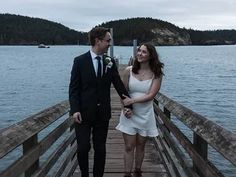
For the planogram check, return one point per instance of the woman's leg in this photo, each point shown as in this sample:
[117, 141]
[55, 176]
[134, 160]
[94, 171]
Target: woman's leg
[139, 153]
[130, 141]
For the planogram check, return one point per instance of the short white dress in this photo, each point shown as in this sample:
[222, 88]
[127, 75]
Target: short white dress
[143, 120]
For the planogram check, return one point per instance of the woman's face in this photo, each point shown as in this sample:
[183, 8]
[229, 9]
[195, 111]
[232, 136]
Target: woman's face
[143, 54]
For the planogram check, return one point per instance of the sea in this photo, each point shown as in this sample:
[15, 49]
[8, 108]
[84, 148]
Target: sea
[202, 78]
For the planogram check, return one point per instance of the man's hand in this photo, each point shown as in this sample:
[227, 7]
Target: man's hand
[127, 112]
[77, 117]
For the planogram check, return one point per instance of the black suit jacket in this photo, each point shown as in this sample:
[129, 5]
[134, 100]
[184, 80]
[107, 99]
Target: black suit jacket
[86, 91]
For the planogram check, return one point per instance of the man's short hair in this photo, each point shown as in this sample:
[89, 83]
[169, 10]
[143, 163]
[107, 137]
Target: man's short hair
[97, 32]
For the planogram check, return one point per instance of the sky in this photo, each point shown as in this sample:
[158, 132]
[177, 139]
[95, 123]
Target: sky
[82, 15]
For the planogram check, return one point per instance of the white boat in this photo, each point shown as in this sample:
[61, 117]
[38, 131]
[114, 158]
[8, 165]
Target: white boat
[43, 46]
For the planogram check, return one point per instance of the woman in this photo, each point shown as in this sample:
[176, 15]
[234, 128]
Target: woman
[143, 80]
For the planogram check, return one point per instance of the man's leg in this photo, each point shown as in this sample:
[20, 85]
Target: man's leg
[83, 140]
[99, 142]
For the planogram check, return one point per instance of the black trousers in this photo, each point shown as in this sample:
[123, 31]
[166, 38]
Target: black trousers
[99, 131]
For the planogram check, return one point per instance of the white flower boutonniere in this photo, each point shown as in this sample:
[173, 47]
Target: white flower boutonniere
[108, 63]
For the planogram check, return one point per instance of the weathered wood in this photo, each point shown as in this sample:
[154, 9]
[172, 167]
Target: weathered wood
[165, 154]
[201, 146]
[67, 160]
[27, 146]
[135, 43]
[111, 48]
[224, 141]
[183, 140]
[18, 133]
[177, 153]
[152, 164]
[71, 168]
[52, 159]
[23, 163]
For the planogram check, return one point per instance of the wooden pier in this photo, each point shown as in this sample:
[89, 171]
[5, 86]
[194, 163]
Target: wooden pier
[44, 144]
[153, 165]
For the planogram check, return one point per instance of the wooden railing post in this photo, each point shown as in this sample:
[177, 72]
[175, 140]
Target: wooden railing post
[27, 146]
[112, 44]
[168, 114]
[72, 127]
[201, 146]
[135, 43]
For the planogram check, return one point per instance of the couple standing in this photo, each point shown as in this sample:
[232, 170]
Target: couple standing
[89, 95]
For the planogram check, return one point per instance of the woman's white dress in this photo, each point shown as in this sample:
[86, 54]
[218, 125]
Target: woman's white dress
[143, 120]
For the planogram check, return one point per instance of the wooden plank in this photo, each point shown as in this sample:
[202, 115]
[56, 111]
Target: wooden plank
[67, 160]
[118, 174]
[23, 163]
[173, 152]
[27, 146]
[201, 163]
[71, 167]
[18, 133]
[52, 159]
[223, 140]
[152, 165]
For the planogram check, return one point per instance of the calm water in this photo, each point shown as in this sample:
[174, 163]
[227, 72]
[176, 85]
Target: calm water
[202, 78]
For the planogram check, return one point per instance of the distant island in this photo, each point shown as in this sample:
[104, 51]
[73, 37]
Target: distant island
[22, 30]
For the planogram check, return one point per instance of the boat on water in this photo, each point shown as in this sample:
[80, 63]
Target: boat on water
[43, 46]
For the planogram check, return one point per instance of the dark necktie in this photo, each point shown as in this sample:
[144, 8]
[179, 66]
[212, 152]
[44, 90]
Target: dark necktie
[99, 71]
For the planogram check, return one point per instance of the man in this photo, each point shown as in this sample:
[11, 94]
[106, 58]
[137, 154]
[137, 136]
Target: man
[89, 95]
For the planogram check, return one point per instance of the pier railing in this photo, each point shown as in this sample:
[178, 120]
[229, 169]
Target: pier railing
[25, 136]
[178, 148]
[46, 142]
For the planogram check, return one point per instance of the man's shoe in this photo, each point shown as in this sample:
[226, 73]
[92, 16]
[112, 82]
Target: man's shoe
[137, 173]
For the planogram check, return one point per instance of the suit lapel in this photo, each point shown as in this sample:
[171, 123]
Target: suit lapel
[89, 65]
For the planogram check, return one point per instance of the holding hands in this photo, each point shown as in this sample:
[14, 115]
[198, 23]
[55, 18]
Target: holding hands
[127, 101]
[127, 112]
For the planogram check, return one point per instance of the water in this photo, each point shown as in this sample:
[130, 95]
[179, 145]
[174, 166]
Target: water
[202, 78]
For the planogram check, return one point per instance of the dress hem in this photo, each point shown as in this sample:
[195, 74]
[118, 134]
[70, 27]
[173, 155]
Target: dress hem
[134, 131]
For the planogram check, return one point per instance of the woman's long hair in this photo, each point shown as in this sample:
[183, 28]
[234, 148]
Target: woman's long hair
[155, 64]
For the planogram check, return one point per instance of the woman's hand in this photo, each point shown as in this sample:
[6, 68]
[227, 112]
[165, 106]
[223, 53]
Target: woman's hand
[127, 101]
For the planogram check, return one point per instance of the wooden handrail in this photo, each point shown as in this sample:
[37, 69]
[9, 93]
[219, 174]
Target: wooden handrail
[18, 133]
[26, 132]
[223, 140]
[205, 132]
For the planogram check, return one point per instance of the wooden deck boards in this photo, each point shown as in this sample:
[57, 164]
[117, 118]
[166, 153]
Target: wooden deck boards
[152, 166]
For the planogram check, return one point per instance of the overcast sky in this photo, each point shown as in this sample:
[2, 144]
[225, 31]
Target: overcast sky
[82, 15]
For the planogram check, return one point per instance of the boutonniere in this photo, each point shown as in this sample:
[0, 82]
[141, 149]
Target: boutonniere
[108, 63]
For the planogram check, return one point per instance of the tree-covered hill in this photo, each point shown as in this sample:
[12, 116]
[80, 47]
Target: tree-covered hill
[164, 33]
[16, 29]
[22, 30]
[147, 30]
[217, 37]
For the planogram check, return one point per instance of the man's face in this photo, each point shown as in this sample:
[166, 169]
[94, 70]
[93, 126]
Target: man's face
[104, 44]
